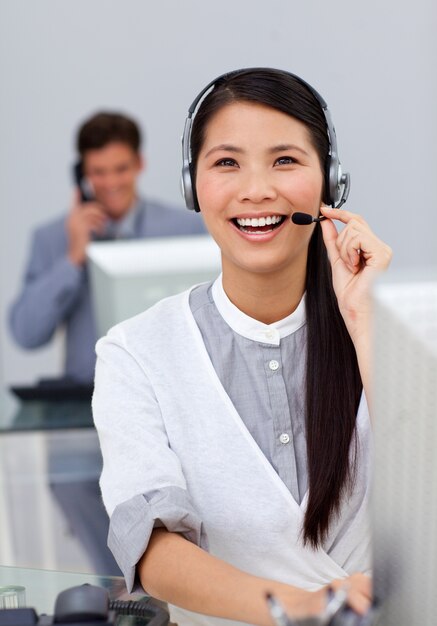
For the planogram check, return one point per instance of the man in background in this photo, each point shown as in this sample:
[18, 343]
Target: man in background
[56, 289]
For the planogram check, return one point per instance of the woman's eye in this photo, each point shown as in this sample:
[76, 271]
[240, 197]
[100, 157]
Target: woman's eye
[286, 160]
[227, 163]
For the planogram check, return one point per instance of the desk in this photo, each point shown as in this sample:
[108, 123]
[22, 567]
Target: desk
[40, 415]
[51, 515]
[42, 588]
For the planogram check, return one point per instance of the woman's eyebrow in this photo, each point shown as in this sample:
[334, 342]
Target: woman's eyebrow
[287, 146]
[224, 147]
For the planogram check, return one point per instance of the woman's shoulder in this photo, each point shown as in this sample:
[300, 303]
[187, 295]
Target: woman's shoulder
[165, 315]
[155, 335]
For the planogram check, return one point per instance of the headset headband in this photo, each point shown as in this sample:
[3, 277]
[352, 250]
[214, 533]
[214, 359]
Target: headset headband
[337, 183]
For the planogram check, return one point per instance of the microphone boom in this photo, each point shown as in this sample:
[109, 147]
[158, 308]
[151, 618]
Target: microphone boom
[304, 219]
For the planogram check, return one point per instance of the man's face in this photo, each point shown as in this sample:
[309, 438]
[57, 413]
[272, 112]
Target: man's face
[112, 172]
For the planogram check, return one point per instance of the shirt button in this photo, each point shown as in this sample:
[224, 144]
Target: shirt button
[269, 334]
[273, 365]
[284, 438]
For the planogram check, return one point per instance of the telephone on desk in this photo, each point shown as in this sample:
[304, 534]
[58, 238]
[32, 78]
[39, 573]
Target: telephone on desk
[88, 605]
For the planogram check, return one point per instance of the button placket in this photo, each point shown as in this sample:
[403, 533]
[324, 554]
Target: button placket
[283, 455]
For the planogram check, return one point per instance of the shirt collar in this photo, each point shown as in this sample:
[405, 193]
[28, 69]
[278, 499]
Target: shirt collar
[253, 329]
[124, 228]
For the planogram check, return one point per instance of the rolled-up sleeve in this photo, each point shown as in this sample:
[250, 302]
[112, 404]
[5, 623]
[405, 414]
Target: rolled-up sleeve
[142, 483]
[133, 521]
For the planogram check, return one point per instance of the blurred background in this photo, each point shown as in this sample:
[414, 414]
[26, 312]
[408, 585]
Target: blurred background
[373, 62]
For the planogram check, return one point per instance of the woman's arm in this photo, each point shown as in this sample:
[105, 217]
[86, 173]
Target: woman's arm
[357, 257]
[177, 571]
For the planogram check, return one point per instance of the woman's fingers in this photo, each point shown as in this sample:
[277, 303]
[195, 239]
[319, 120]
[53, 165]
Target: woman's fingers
[356, 244]
[359, 591]
[330, 236]
[341, 215]
[350, 247]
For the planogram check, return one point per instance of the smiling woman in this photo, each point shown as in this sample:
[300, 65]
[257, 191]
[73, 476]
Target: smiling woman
[236, 444]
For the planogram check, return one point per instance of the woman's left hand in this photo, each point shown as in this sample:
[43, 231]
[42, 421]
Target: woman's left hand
[357, 256]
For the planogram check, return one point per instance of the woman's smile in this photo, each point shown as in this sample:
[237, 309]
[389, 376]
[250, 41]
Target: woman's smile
[258, 225]
[260, 228]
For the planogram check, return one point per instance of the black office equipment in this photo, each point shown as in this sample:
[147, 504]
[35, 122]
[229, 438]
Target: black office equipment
[89, 605]
[54, 389]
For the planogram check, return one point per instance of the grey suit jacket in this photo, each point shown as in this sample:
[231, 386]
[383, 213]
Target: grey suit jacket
[56, 292]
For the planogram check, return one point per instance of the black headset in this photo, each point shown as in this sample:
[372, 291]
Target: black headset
[337, 183]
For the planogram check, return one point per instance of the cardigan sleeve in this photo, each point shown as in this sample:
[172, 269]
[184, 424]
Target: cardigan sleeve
[142, 482]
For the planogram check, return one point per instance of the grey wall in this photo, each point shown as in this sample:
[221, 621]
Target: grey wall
[374, 63]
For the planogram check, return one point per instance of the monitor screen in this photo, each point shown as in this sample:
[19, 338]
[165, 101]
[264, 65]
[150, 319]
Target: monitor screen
[404, 493]
[128, 277]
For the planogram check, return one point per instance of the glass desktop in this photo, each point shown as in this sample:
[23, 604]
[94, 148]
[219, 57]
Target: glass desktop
[39, 589]
[51, 512]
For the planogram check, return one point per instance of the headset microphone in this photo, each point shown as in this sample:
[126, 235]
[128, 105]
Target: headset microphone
[303, 219]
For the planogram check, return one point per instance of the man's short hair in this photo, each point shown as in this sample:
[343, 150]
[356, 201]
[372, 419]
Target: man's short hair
[104, 128]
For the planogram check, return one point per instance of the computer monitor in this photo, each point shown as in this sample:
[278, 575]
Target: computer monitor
[128, 277]
[404, 493]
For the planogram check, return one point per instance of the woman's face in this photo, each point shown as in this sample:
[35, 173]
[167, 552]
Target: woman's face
[257, 167]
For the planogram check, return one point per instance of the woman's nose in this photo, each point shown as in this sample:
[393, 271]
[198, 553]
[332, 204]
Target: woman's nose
[256, 186]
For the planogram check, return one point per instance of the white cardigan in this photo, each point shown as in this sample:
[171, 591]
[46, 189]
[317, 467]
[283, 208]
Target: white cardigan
[164, 420]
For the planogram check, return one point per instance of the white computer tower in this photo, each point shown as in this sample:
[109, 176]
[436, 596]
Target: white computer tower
[404, 494]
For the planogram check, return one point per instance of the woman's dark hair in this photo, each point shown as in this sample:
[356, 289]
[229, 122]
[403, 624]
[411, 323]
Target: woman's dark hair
[333, 382]
[104, 128]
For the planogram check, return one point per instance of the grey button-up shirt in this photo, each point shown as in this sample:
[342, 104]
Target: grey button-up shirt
[262, 369]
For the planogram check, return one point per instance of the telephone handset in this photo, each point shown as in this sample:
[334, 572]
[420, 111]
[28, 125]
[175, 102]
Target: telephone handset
[86, 191]
[89, 605]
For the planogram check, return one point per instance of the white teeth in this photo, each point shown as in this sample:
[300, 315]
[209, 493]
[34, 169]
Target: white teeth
[259, 221]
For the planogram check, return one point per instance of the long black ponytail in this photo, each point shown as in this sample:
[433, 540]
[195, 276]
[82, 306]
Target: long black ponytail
[333, 383]
[333, 391]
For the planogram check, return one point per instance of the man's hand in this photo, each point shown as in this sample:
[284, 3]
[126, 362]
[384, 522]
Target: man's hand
[84, 219]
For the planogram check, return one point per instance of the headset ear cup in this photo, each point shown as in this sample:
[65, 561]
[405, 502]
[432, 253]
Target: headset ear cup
[183, 188]
[186, 188]
[334, 181]
[327, 197]
[195, 206]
